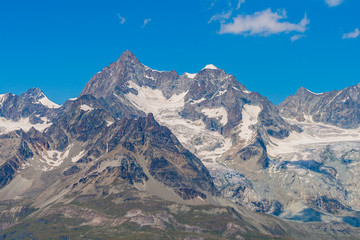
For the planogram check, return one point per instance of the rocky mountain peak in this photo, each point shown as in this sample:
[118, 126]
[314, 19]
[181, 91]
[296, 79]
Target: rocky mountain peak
[128, 57]
[33, 93]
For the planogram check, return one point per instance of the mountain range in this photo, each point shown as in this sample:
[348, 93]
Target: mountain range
[147, 154]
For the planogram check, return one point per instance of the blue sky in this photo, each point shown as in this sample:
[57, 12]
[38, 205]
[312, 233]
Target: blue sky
[271, 46]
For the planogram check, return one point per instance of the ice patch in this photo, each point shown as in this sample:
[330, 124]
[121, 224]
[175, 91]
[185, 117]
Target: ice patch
[78, 157]
[217, 113]
[250, 115]
[54, 158]
[197, 101]
[86, 108]
[246, 91]
[149, 77]
[7, 125]
[219, 93]
[190, 75]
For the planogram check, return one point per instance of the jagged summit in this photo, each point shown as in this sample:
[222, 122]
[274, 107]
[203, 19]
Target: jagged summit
[36, 95]
[339, 108]
[128, 56]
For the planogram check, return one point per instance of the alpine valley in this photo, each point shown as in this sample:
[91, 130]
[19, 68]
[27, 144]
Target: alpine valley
[147, 154]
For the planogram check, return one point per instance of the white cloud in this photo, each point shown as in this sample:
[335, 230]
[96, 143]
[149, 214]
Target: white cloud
[122, 19]
[297, 37]
[221, 16]
[333, 3]
[146, 21]
[353, 34]
[263, 23]
[239, 4]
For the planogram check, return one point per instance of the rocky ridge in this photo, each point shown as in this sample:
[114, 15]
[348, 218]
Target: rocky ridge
[338, 108]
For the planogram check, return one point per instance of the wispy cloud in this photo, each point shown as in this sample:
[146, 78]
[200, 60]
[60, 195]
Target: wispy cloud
[263, 23]
[221, 16]
[239, 4]
[333, 3]
[146, 21]
[213, 3]
[297, 37]
[354, 34]
[121, 19]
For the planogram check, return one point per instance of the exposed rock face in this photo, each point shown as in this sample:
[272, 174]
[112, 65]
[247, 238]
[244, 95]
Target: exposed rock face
[145, 149]
[15, 152]
[339, 108]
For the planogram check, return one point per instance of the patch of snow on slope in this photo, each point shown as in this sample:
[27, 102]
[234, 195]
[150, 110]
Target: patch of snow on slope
[7, 125]
[250, 115]
[46, 102]
[86, 107]
[78, 156]
[149, 77]
[217, 113]
[190, 75]
[54, 158]
[219, 93]
[207, 145]
[197, 101]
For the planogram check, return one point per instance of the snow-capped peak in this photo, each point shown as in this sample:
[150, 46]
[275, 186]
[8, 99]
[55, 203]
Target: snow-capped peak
[210, 66]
